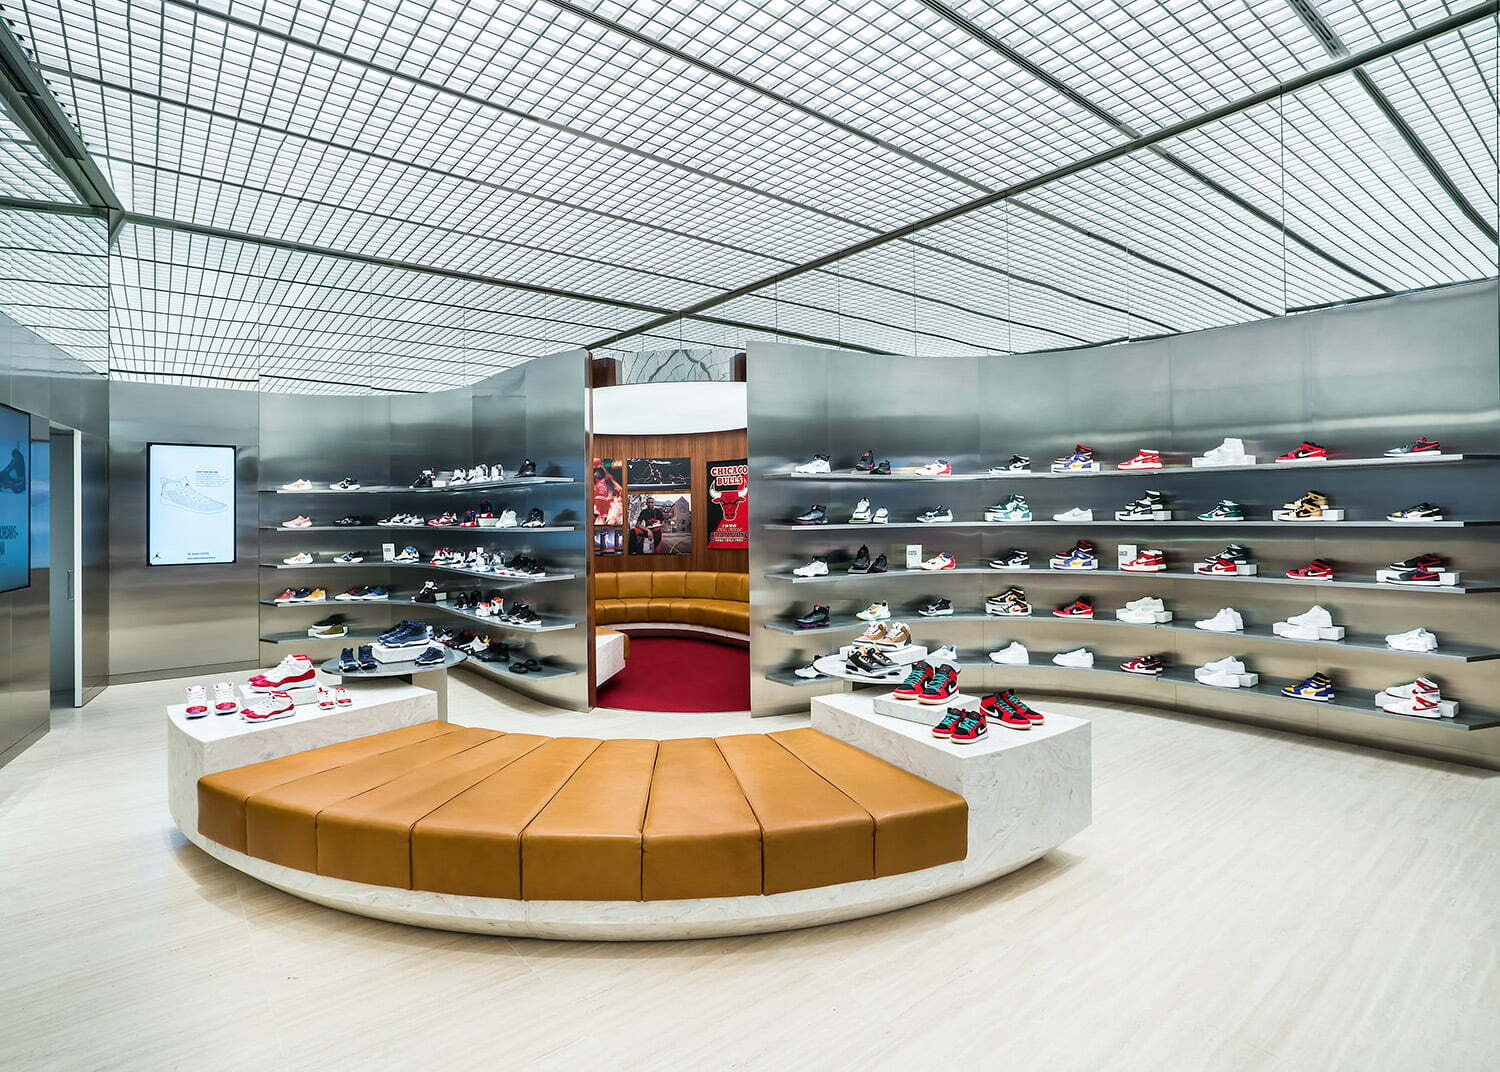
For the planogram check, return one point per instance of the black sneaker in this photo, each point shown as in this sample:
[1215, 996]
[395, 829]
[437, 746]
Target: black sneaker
[938, 608]
[866, 462]
[446, 635]
[879, 565]
[528, 468]
[816, 618]
[883, 469]
[366, 658]
[1014, 559]
[423, 481]
[535, 519]
[433, 656]
[861, 563]
[347, 484]
[428, 593]
[1423, 511]
[330, 628]
[521, 614]
[348, 664]
[816, 516]
[352, 521]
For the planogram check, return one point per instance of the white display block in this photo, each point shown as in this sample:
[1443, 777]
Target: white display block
[928, 715]
[1209, 463]
[384, 654]
[1302, 632]
[609, 655]
[305, 695]
[200, 746]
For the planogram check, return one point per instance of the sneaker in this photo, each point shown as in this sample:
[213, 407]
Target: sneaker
[943, 561]
[293, 595]
[1018, 463]
[346, 484]
[1227, 620]
[297, 485]
[879, 565]
[937, 515]
[1081, 557]
[1428, 561]
[815, 516]
[1229, 452]
[808, 672]
[940, 686]
[535, 519]
[376, 594]
[348, 663]
[866, 462]
[1233, 560]
[1145, 665]
[875, 612]
[1008, 604]
[994, 709]
[880, 517]
[1079, 608]
[1423, 511]
[1007, 699]
[424, 480]
[860, 515]
[1305, 452]
[325, 699]
[1318, 569]
[1149, 560]
[1077, 659]
[520, 614]
[349, 558]
[916, 677]
[197, 701]
[428, 593]
[938, 608]
[269, 708]
[293, 672]
[883, 469]
[1078, 513]
[897, 635]
[409, 553]
[350, 594]
[1418, 639]
[1315, 623]
[1080, 461]
[1218, 566]
[971, 727]
[1225, 673]
[330, 628]
[406, 634]
[1015, 508]
[1418, 706]
[1148, 610]
[874, 633]
[508, 520]
[1227, 510]
[817, 466]
[301, 558]
[818, 567]
[1318, 687]
[1422, 686]
[433, 656]
[816, 618]
[1311, 507]
[1144, 459]
[939, 467]
[860, 563]
[225, 701]
[944, 728]
[1416, 578]
[527, 469]
[301, 521]
[1013, 654]
[1014, 559]
[1420, 445]
[1149, 507]
[352, 521]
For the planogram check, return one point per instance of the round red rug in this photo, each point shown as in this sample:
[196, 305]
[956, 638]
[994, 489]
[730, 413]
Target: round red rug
[680, 674]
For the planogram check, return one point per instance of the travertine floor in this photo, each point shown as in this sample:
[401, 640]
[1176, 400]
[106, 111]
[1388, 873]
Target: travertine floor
[1244, 900]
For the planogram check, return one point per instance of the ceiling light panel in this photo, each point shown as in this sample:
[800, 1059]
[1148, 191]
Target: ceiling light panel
[898, 72]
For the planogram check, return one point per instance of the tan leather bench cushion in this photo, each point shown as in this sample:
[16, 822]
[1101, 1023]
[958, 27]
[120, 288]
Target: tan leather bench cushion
[719, 600]
[221, 796]
[633, 585]
[701, 838]
[367, 838]
[585, 845]
[281, 823]
[604, 585]
[472, 844]
[811, 834]
[917, 824]
[666, 584]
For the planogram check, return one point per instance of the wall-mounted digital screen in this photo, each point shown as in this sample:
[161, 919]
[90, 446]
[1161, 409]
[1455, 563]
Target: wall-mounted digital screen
[189, 504]
[15, 499]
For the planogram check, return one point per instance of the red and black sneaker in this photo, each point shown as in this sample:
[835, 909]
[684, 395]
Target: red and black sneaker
[1305, 452]
[1428, 561]
[997, 706]
[941, 685]
[951, 719]
[1420, 445]
[866, 462]
[1147, 665]
[1318, 569]
[1425, 577]
[916, 677]
[1019, 705]
[1079, 608]
[970, 728]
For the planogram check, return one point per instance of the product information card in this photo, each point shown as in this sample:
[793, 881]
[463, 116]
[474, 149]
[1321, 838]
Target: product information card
[190, 504]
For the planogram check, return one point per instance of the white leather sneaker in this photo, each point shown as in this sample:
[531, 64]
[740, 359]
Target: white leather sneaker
[880, 517]
[1078, 513]
[818, 464]
[1013, 654]
[1078, 659]
[860, 515]
[1229, 452]
[1148, 610]
[875, 612]
[1227, 620]
[1225, 673]
[818, 567]
[1418, 639]
[1312, 624]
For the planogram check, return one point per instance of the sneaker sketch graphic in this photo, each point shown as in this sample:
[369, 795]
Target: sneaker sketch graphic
[13, 476]
[181, 494]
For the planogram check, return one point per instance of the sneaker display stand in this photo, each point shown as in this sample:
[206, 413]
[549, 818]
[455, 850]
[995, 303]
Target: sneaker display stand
[535, 411]
[434, 677]
[1132, 396]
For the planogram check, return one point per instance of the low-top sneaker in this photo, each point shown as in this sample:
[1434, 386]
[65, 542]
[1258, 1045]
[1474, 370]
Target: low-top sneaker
[269, 708]
[1226, 673]
[301, 558]
[972, 726]
[883, 469]
[1013, 654]
[301, 521]
[814, 516]
[1077, 659]
[1149, 560]
[1008, 700]
[527, 469]
[1078, 513]
[818, 567]
[943, 561]
[1423, 511]
[1427, 561]
[875, 612]
[409, 553]
[1079, 608]
[1226, 510]
[1014, 559]
[433, 656]
[816, 466]
[1317, 687]
[936, 515]
[1318, 569]
[1420, 445]
[1418, 639]
[1305, 452]
[1145, 665]
[1144, 459]
[881, 516]
[1417, 578]
[297, 485]
[349, 483]
[1227, 620]
[880, 565]
[349, 558]
[424, 480]
[860, 515]
[938, 608]
[1148, 610]
[945, 725]
[937, 467]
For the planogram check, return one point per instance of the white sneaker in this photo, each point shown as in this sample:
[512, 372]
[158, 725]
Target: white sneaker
[1148, 610]
[508, 520]
[860, 515]
[946, 654]
[1227, 620]
[809, 671]
[1229, 452]
[819, 464]
[301, 558]
[1225, 673]
[1418, 639]
[816, 568]
[1423, 686]
[1078, 659]
[298, 485]
[875, 612]
[1078, 513]
[225, 700]
[1313, 624]
[197, 701]
[881, 516]
[1013, 654]
[1419, 706]
[940, 467]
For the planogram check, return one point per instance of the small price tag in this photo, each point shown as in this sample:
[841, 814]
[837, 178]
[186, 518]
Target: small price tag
[388, 552]
[1124, 553]
[913, 556]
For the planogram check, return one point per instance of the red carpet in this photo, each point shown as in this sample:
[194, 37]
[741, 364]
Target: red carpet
[680, 674]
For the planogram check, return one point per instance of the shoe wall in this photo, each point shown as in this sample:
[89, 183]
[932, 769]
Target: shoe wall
[1359, 378]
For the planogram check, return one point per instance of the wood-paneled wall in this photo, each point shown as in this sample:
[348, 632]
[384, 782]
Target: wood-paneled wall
[702, 448]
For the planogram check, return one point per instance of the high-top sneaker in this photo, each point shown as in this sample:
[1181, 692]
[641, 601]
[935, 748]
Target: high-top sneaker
[528, 468]
[1014, 508]
[1018, 463]
[1081, 556]
[1317, 687]
[1014, 559]
[1305, 452]
[1080, 461]
[1149, 507]
[1144, 459]
[916, 678]
[1079, 608]
[866, 462]
[941, 685]
[1149, 560]
[1319, 569]
[535, 519]
[879, 565]
[1310, 507]
[973, 726]
[1226, 510]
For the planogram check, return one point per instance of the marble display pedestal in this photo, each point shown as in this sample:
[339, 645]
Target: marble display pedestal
[207, 745]
[609, 655]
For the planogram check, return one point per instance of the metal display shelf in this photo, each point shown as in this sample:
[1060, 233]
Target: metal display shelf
[399, 668]
[1332, 463]
[784, 676]
[393, 489]
[502, 671]
[419, 528]
[549, 624]
[498, 578]
[1195, 523]
[302, 637]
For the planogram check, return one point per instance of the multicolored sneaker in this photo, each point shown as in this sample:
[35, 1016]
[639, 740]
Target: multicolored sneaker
[1317, 687]
[1305, 452]
[1079, 608]
[1319, 569]
[949, 721]
[1420, 445]
[916, 678]
[1080, 461]
[970, 728]
[1080, 556]
[941, 685]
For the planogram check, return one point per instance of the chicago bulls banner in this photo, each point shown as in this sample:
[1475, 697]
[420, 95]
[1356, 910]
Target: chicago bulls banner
[729, 504]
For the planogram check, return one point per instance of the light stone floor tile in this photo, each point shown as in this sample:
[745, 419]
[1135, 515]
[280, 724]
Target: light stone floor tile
[1246, 900]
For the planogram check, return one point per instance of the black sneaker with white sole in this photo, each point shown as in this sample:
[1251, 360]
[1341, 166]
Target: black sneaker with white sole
[522, 614]
[433, 656]
[347, 484]
[1014, 559]
[815, 516]
[1423, 511]
[528, 468]
[936, 515]
[938, 608]
[330, 628]
[535, 519]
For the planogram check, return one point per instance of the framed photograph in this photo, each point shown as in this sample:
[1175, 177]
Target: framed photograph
[190, 504]
[609, 491]
[729, 504]
[15, 499]
[666, 474]
[609, 541]
[661, 524]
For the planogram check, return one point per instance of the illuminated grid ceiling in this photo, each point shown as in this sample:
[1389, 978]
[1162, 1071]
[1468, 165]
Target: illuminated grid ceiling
[624, 160]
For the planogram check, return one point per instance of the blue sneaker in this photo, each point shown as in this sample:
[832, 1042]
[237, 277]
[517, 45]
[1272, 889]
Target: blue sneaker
[1080, 461]
[1318, 687]
[366, 658]
[1080, 557]
[348, 664]
[378, 592]
[433, 656]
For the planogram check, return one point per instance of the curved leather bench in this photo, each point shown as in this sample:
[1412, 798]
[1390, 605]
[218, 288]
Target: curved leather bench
[482, 813]
[692, 597]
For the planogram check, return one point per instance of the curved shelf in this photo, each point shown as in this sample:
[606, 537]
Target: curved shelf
[418, 528]
[1312, 525]
[394, 489]
[1166, 470]
[498, 578]
[502, 671]
[549, 623]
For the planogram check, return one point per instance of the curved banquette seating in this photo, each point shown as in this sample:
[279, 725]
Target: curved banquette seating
[692, 597]
[477, 812]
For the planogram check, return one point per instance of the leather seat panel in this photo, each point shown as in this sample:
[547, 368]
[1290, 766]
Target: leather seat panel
[666, 584]
[812, 834]
[367, 838]
[917, 824]
[633, 585]
[222, 796]
[701, 838]
[585, 845]
[472, 844]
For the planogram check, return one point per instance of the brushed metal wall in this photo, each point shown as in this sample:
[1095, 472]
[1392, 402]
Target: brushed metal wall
[1360, 377]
